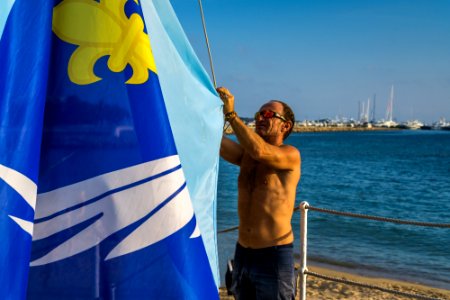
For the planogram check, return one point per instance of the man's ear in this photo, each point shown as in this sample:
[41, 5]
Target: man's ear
[288, 125]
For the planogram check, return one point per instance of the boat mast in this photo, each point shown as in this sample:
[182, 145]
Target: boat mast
[391, 106]
[359, 111]
[373, 108]
[367, 111]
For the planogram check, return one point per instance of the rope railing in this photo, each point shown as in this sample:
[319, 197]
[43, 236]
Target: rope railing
[228, 229]
[375, 218]
[304, 206]
[361, 216]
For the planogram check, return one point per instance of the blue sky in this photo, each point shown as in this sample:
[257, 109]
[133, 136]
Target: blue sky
[323, 57]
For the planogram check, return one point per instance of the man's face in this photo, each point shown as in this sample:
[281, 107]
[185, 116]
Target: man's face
[266, 127]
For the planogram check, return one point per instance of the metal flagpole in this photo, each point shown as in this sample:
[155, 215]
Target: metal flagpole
[303, 248]
[207, 43]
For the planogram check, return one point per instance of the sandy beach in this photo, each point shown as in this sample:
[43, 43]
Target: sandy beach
[329, 290]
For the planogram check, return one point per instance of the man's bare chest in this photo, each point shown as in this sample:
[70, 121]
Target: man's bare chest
[254, 174]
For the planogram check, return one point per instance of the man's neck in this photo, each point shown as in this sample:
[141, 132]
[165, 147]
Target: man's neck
[274, 140]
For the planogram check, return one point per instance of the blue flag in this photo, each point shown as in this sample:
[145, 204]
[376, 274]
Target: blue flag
[114, 218]
[24, 54]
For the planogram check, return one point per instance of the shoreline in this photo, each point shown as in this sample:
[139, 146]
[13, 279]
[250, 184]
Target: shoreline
[317, 288]
[298, 129]
[337, 129]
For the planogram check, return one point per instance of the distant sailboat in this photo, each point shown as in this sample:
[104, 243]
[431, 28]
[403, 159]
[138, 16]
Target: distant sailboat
[388, 122]
[364, 112]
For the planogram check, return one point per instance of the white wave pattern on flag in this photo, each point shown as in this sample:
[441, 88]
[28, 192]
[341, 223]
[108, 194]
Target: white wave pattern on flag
[121, 198]
[25, 187]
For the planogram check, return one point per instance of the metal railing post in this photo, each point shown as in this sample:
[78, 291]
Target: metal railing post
[303, 247]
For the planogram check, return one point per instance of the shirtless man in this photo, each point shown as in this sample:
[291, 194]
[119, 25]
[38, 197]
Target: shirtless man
[269, 174]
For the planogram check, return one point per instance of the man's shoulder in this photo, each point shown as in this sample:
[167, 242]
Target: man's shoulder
[290, 149]
[289, 146]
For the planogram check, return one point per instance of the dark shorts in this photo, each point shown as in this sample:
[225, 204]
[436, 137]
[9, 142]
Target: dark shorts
[266, 273]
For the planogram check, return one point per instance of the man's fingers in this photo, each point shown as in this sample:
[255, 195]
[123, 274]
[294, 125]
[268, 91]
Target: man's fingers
[220, 90]
[223, 92]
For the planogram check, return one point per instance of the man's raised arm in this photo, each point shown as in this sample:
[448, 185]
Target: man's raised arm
[274, 154]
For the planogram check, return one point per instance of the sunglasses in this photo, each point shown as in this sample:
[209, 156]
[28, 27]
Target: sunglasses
[268, 114]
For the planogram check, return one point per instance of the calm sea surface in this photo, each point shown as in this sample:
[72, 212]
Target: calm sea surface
[396, 174]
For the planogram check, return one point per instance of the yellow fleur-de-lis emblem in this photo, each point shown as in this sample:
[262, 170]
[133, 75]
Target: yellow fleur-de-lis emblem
[100, 29]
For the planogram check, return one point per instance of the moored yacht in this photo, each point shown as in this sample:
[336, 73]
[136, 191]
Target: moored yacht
[414, 124]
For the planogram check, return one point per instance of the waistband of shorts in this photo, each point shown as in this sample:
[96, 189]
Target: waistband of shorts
[277, 247]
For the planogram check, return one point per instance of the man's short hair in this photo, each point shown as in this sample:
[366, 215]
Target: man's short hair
[289, 115]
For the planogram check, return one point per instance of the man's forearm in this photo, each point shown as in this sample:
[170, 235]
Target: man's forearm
[252, 143]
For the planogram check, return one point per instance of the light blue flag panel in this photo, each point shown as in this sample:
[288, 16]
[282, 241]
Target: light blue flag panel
[195, 114]
[84, 122]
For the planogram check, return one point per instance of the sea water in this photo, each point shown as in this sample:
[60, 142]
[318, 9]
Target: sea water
[401, 174]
